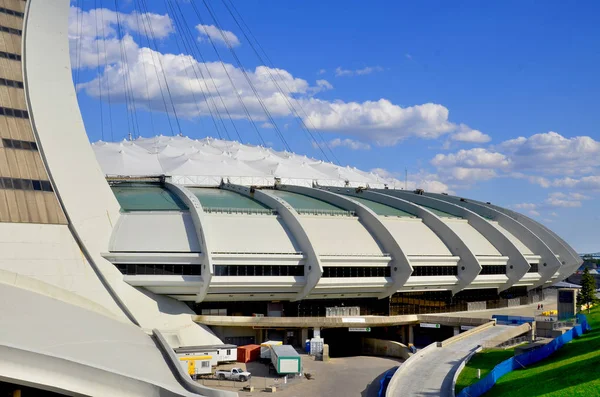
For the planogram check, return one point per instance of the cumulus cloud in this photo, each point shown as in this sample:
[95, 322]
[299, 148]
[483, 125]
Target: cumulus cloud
[339, 72]
[538, 159]
[201, 88]
[322, 71]
[347, 143]
[466, 134]
[211, 32]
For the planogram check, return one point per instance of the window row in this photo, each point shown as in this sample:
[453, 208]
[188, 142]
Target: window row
[11, 12]
[25, 184]
[493, 269]
[16, 144]
[11, 30]
[355, 271]
[10, 55]
[160, 270]
[11, 83]
[258, 270]
[534, 268]
[435, 271]
[22, 114]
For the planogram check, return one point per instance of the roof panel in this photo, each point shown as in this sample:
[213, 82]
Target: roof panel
[415, 238]
[225, 199]
[146, 197]
[301, 202]
[249, 234]
[155, 232]
[381, 209]
[340, 236]
[474, 240]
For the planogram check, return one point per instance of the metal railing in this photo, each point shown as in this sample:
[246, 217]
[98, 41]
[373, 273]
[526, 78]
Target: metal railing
[326, 212]
[343, 311]
[245, 211]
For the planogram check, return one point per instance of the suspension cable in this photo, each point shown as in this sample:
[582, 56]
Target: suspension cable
[246, 111]
[153, 36]
[153, 55]
[230, 7]
[178, 24]
[192, 43]
[244, 72]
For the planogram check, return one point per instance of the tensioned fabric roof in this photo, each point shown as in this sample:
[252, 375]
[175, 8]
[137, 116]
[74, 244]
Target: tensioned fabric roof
[204, 162]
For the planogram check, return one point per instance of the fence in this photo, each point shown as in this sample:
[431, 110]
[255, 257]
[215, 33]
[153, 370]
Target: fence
[525, 359]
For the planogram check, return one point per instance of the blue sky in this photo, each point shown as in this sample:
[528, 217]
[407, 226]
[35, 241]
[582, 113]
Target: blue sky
[490, 100]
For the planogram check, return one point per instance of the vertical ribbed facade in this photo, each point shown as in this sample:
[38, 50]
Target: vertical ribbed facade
[26, 195]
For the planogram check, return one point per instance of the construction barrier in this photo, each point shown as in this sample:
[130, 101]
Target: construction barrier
[523, 360]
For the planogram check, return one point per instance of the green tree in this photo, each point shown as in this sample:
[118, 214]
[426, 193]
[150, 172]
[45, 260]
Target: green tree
[587, 293]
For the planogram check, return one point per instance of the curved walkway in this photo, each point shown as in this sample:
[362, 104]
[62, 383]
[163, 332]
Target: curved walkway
[431, 372]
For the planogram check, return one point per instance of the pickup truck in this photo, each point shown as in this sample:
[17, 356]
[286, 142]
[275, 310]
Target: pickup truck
[233, 374]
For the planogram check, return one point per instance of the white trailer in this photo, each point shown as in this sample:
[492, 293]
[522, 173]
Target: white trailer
[219, 353]
[196, 365]
[286, 359]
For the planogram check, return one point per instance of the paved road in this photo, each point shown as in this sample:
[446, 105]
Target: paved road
[341, 377]
[431, 374]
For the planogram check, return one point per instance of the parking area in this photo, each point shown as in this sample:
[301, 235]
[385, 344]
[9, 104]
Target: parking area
[347, 376]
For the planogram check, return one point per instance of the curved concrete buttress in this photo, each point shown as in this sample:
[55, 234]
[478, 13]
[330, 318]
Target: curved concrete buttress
[313, 268]
[197, 213]
[554, 241]
[88, 202]
[468, 261]
[520, 265]
[401, 268]
[549, 263]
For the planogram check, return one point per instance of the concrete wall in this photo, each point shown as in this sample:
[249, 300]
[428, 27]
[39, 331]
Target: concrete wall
[386, 348]
[86, 198]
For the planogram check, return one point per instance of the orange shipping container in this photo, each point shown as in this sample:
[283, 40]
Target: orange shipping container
[248, 353]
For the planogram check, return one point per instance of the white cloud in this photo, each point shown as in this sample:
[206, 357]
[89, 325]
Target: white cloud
[553, 153]
[587, 183]
[103, 22]
[339, 72]
[321, 85]
[477, 158]
[348, 143]
[466, 134]
[211, 32]
[267, 126]
[381, 122]
[536, 159]
[322, 71]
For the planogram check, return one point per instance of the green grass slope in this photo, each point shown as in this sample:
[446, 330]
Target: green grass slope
[485, 360]
[572, 371]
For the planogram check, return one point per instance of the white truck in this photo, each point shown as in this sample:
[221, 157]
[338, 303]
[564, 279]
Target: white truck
[233, 374]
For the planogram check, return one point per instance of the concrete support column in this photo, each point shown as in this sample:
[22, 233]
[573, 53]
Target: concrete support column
[411, 334]
[303, 336]
[456, 331]
[197, 218]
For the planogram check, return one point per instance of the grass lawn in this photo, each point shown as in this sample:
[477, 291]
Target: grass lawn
[485, 360]
[573, 370]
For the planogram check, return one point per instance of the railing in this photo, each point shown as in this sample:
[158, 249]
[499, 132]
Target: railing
[326, 212]
[245, 211]
[350, 311]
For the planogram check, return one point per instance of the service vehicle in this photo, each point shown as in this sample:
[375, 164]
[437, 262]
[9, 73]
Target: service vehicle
[233, 374]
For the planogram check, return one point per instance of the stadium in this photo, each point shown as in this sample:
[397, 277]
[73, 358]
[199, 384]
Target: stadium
[135, 248]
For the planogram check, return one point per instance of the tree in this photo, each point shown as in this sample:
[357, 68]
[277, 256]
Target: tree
[587, 293]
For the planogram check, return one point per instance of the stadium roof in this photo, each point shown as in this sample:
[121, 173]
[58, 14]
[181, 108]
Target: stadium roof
[206, 161]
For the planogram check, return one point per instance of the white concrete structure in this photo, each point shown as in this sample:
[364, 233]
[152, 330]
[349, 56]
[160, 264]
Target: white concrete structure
[104, 270]
[417, 242]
